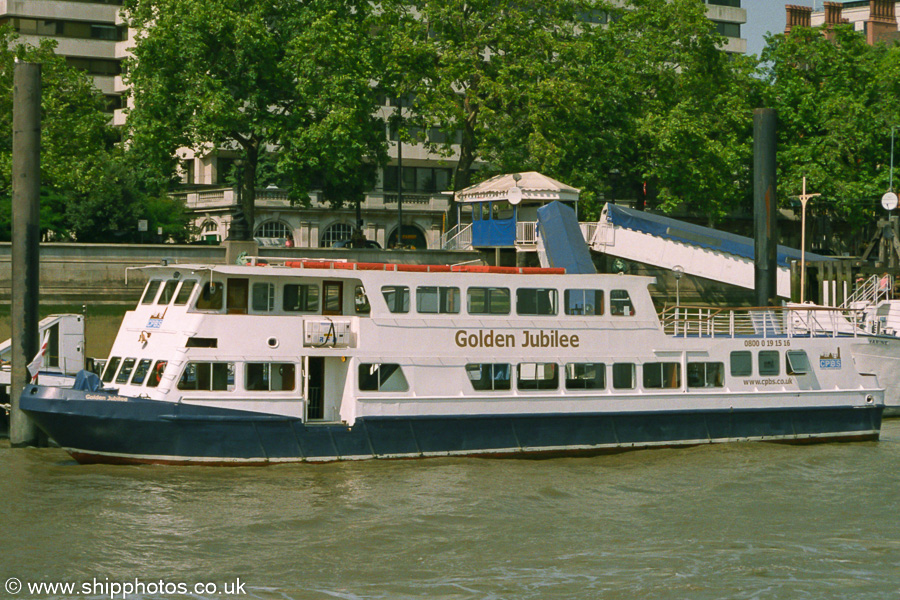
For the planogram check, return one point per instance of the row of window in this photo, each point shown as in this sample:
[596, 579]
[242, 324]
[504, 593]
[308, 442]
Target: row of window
[72, 29]
[498, 301]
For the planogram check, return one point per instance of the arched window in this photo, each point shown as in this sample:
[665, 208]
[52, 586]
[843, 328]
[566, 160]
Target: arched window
[413, 237]
[336, 233]
[273, 229]
[209, 226]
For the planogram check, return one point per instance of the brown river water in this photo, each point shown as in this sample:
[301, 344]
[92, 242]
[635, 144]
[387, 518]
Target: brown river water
[737, 521]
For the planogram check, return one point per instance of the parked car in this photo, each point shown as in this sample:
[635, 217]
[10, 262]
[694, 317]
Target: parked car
[349, 244]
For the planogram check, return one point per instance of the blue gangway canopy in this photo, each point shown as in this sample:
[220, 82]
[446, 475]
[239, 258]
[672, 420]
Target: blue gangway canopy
[563, 241]
[696, 235]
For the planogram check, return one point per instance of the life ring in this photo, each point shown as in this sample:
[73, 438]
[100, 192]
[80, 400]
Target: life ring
[158, 372]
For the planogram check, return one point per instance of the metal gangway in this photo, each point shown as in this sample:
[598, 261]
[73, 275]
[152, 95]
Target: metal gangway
[765, 323]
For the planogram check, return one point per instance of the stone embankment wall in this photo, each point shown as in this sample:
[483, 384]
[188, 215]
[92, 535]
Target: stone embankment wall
[97, 273]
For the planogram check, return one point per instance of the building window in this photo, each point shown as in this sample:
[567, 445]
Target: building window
[336, 233]
[584, 302]
[705, 374]
[269, 377]
[537, 376]
[442, 300]
[536, 301]
[489, 376]
[487, 301]
[662, 375]
[423, 180]
[300, 298]
[585, 376]
[273, 229]
[382, 377]
[732, 30]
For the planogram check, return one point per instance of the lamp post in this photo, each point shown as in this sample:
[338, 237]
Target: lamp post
[238, 229]
[804, 198]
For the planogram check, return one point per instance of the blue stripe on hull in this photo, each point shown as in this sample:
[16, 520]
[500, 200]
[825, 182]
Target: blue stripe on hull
[149, 431]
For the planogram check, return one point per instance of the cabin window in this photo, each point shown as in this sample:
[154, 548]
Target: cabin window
[140, 372]
[620, 303]
[361, 301]
[270, 377]
[263, 297]
[741, 363]
[168, 292]
[156, 373]
[536, 301]
[584, 302]
[210, 297]
[489, 376]
[150, 291]
[125, 373]
[537, 376]
[207, 376]
[585, 376]
[488, 301]
[662, 375]
[397, 298]
[769, 362]
[705, 374]
[443, 300]
[797, 362]
[382, 377]
[300, 298]
[184, 292]
[623, 376]
[111, 367]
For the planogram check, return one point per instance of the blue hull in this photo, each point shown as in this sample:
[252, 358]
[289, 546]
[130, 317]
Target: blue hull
[95, 429]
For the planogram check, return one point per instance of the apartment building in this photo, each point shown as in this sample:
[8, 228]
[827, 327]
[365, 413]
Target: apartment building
[92, 36]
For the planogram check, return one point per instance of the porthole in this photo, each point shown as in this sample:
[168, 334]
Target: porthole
[272, 342]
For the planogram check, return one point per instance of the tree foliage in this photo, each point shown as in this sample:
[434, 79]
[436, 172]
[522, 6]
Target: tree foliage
[257, 75]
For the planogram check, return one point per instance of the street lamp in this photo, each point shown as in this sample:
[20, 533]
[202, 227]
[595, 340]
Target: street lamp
[804, 198]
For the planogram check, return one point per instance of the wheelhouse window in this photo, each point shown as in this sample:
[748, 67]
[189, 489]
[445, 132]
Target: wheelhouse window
[741, 363]
[705, 374]
[270, 377]
[797, 362]
[397, 298]
[150, 291]
[620, 303]
[111, 367]
[537, 376]
[584, 302]
[662, 375]
[361, 301]
[168, 292]
[211, 296]
[156, 373]
[382, 377]
[441, 300]
[125, 373]
[207, 376]
[769, 362]
[487, 301]
[140, 372]
[300, 297]
[536, 301]
[184, 292]
[489, 376]
[585, 376]
[263, 297]
[623, 376]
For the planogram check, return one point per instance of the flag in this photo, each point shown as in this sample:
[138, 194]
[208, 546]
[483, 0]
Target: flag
[35, 365]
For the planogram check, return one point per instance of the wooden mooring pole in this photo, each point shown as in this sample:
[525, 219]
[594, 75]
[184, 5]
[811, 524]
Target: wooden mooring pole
[26, 237]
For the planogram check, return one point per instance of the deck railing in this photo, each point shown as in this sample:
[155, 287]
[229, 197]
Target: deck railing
[871, 292]
[770, 322]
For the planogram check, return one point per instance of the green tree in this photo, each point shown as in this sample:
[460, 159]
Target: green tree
[254, 76]
[836, 99]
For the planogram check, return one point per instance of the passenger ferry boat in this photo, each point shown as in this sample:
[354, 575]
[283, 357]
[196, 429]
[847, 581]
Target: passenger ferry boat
[295, 360]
